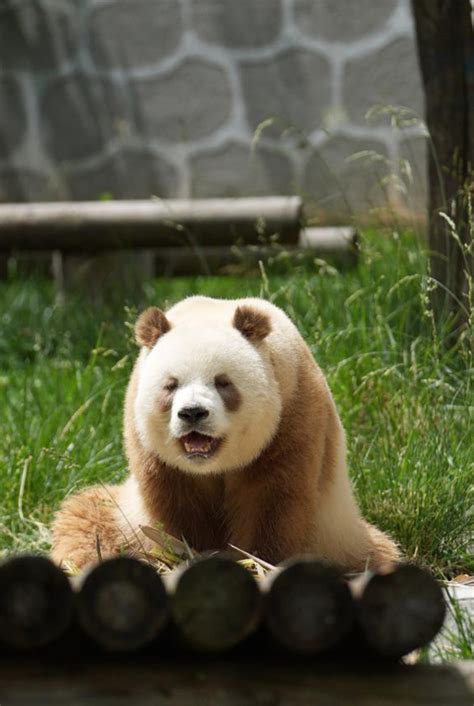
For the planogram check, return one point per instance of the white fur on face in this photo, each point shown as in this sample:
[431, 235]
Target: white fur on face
[194, 356]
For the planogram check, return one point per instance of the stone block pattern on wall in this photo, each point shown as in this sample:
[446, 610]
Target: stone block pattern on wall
[300, 82]
[254, 173]
[192, 101]
[237, 25]
[384, 77]
[134, 33]
[360, 178]
[342, 20]
[201, 98]
[12, 116]
[36, 37]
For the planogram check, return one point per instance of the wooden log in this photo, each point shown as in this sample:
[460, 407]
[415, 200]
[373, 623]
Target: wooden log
[122, 604]
[308, 607]
[215, 605]
[340, 241]
[255, 679]
[340, 244]
[99, 226]
[36, 602]
[399, 611]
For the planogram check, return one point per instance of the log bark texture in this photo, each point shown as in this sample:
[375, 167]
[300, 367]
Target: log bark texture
[445, 40]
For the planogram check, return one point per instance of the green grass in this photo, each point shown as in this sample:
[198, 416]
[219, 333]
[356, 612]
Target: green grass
[456, 641]
[405, 402]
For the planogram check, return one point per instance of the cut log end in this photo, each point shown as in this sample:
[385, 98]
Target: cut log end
[216, 604]
[401, 611]
[122, 604]
[308, 608]
[36, 602]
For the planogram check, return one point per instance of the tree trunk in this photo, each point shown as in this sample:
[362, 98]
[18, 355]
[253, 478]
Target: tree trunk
[445, 40]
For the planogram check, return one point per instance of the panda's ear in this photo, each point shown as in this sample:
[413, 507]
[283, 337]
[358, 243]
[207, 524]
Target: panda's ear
[150, 326]
[253, 324]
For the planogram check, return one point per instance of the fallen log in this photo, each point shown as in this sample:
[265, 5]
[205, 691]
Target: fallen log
[36, 602]
[234, 681]
[215, 604]
[99, 226]
[122, 604]
[341, 244]
[342, 241]
[399, 611]
[308, 607]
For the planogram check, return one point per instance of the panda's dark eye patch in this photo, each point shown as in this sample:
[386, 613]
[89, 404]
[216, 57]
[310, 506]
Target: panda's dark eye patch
[165, 399]
[228, 392]
[222, 381]
[171, 385]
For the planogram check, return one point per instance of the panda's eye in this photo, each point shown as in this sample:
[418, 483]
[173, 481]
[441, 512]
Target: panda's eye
[222, 381]
[171, 385]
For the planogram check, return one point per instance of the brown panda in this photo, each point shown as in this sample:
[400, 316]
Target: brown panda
[232, 437]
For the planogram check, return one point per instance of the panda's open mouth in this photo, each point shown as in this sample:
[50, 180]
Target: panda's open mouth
[199, 445]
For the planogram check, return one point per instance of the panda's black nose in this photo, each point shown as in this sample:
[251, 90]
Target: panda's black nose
[193, 414]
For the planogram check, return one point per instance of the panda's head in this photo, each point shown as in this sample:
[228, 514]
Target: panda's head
[207, 399]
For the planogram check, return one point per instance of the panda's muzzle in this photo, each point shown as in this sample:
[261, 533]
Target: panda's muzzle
[199, 445]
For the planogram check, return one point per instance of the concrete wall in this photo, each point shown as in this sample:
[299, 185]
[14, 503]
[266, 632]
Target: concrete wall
[202, 98]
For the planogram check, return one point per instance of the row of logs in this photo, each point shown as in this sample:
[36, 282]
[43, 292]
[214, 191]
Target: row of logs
[213, 604]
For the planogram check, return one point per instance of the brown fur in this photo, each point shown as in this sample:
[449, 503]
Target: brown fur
[165, 400]
[186, 505]
[383, 551]
[230, 395]
[151, 324]
[266, 508]
[86, 526]
[253, 324]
